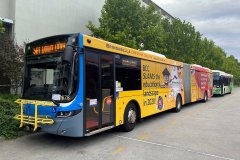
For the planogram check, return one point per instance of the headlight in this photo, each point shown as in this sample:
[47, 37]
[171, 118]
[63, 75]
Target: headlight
[64, 114]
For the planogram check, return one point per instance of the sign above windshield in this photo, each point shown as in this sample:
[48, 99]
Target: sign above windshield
[46, 49]
[48, 45]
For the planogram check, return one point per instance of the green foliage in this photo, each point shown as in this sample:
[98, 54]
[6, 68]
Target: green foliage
[9, 127]
[119, 22]
[128, 23]
[2, 29]
[182, 41]
[231, 65]
[11, 62]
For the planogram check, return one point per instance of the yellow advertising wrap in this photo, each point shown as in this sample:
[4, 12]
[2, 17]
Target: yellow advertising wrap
[161, 84]
[154, 84]
[161, 78]
[194, 86]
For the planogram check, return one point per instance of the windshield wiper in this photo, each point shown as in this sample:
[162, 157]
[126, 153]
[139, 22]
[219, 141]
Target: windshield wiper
[55, 102]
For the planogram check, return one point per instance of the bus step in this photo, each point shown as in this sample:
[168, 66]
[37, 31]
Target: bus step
[99, 130]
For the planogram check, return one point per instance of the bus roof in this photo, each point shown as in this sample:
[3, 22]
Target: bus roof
[196, 65]
[41, 40]
[229, 75]
[200, 68]
[221, 73]
[154, 53]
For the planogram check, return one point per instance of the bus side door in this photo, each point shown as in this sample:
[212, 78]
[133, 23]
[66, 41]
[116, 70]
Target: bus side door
[99, 92]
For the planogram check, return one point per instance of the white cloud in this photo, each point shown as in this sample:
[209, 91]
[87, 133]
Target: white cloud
[219, 25]
[218, 20]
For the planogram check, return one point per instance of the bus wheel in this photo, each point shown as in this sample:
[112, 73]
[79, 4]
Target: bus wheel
[178, 104]
[205, 99]
[130, 117]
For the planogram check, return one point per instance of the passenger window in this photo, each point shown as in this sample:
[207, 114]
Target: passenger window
[128, 72]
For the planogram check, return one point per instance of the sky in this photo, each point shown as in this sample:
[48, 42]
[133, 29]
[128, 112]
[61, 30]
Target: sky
[218, 20]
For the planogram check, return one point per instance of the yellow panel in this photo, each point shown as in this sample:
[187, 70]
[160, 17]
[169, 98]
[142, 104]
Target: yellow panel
[112, 47]
[193, 86]
[160, 85]
[161, 82]
[122, 100]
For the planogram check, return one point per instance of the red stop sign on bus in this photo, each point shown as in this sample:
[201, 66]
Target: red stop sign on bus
[109, 100]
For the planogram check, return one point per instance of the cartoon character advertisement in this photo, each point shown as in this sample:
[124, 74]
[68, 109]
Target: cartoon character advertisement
[155, 77]
[176, 82]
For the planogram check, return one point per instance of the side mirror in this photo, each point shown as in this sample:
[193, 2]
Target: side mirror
[68, 55]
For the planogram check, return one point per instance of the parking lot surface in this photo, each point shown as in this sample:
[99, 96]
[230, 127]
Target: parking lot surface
[201, 131]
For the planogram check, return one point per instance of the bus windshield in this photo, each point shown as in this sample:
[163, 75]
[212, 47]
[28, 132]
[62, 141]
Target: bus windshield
[216, 79]
[41, 77]
[47, 77]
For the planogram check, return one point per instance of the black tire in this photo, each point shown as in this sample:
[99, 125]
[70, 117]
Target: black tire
[130, 117]
[178, 104]
[205, 98]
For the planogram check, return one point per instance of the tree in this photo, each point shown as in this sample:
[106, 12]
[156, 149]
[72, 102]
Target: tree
[11, 62]
[182, 41]
[231, 66]
[128, 23]
[1, 27]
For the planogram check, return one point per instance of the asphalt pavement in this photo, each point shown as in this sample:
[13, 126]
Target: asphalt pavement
[201, 131]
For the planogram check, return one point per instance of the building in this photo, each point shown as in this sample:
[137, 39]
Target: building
[28, 20]
[6, 15]
[164, 13]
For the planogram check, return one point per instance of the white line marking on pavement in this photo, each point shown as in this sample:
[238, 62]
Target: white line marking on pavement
[177, 148]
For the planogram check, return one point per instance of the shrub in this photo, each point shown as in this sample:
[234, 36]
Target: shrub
[9, 127]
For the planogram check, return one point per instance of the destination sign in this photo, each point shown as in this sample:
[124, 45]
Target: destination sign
[50, 48]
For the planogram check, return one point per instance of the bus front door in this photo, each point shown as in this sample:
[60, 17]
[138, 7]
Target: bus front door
[99, 91]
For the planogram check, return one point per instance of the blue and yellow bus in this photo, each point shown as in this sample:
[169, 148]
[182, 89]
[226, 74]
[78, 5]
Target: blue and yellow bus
[76, 85]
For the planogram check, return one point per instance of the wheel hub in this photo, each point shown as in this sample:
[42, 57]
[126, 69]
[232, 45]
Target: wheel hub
[132, 116]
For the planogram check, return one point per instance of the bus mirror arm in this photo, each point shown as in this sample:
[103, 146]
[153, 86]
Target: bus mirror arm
[72, 74]
[68, 55]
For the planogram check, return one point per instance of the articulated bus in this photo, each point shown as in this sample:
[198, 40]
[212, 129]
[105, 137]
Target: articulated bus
[222, 83]
[201, 83]
[76, 85]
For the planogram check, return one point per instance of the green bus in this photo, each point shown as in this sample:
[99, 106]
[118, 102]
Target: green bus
[222, 83]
